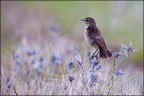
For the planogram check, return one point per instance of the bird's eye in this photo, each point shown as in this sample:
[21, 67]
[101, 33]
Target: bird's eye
[87, 20]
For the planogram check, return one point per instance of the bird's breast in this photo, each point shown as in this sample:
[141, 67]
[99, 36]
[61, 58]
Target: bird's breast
[89, 40]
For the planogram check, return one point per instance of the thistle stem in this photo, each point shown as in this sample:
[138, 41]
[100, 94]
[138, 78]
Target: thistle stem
[94, 53]
[83, 79]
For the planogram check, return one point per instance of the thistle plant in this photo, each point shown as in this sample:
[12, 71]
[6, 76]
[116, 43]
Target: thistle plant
[95, 66]
[126, 51]
[85, 75]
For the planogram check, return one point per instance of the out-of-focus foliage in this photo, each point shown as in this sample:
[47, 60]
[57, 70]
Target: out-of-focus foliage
[119, 22]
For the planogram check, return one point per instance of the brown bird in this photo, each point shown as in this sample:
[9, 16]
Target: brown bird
[94, 38]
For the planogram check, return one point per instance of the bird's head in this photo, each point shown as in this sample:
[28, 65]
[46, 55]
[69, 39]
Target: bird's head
[89, 21]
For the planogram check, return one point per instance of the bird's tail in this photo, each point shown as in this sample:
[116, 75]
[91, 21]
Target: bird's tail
[105, 53]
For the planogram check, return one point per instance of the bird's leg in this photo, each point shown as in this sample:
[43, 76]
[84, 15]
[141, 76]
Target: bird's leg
[94, 54]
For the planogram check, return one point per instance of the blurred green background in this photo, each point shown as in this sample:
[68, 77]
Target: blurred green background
[40, 21]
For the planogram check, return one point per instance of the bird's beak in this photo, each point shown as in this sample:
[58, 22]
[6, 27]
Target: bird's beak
[82, 19]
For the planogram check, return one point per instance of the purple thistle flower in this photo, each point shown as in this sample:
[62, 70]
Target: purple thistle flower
[93, 80]
[124, 49]
[65, 87]
[98, 67]
[94, 64]
[127, 50]
[31, 52]
[117, 54]
[15, 56]
[23, 48]
[130, 49]
[35, 66]
[18, 62]
[71, 78]
[41, 59]
[55, 28]
[119, 73]
[89, 54]
[80, 62]
[56, 59]
[70, 64]
[33, 61]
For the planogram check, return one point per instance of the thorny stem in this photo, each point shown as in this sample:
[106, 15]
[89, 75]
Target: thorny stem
[83, 79]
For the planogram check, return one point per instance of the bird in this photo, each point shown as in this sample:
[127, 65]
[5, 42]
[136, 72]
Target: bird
[94, 38]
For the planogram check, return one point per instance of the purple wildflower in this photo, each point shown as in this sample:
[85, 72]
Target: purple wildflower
[30, 52]
[41, 59]
[93, 80]
[119, 73]
[55, 28]
[71, 78]
[117, 54]
[94, 64]
[70, 64]
[124, 49]
[56, 59]
[130, 49]
[15, 56]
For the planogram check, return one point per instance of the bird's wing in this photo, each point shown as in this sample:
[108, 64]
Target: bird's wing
[97, 38]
